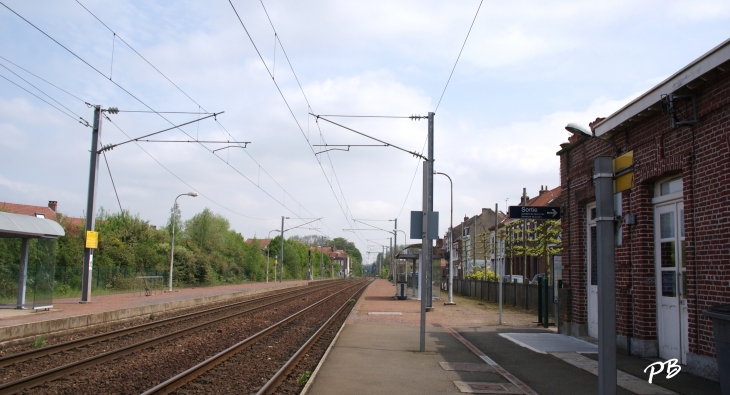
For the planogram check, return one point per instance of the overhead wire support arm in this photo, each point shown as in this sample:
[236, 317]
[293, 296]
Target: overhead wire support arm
[414, 153]
[112, 146]
[298, 226]
[344, 145]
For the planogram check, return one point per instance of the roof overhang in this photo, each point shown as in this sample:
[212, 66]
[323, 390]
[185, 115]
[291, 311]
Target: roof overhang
[25, 227]
[650, 99]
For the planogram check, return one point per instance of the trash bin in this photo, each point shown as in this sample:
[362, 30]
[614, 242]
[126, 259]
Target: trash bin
[401, 288]
[721, 329]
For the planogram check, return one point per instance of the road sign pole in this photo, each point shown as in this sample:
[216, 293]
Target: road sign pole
[90, 205]
[603, 179]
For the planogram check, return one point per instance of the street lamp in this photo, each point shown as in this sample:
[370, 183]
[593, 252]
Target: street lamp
[268, 238]
[580, 130]
[172, 241]
[451, 243]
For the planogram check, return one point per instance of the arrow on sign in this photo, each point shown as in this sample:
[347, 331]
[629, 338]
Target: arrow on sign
[553, 213]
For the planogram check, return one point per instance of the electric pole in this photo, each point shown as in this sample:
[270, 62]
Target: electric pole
[281, 249]
[426, 247]
[90, 206]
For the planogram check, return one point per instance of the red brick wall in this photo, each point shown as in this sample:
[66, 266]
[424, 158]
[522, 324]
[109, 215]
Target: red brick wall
[701, 155]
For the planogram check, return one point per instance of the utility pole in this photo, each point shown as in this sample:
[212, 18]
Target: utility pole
[321, 260]
[605, 219]
[281, 252]
[91, 206]
[426, 247]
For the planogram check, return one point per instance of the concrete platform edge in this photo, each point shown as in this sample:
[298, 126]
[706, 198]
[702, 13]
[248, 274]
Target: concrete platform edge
[23, 333]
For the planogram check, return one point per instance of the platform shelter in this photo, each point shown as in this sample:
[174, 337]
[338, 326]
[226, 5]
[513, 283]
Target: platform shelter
[43, 233]
[416, 271]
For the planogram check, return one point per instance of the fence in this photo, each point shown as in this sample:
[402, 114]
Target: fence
[513, 294]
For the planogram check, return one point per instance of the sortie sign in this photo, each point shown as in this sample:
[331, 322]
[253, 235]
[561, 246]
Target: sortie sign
[534, 212]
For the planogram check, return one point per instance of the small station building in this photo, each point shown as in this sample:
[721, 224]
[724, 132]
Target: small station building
[672, 232]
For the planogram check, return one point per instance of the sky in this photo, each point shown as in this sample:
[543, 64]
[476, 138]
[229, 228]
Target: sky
[527, 69]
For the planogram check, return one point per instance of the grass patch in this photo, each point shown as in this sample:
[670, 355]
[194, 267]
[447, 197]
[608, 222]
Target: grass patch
[304, 377]
[39, 341]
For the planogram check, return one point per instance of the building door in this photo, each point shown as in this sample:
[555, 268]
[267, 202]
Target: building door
[592, 271]
[672, 316]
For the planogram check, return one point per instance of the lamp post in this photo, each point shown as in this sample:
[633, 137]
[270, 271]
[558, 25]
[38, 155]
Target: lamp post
[172, 241]
[451, 242]
[268, 237]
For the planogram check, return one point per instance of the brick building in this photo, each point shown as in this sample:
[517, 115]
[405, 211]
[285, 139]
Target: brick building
[673, 243]
[466, 250]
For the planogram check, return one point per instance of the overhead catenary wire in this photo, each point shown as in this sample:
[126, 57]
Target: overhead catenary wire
[45, 101]
[144, 104]
[457, 58]
[121, 210]
[41, 91]
[200, 107]
[309, 106]
[181, 180]
[44, 80]
[285, 100]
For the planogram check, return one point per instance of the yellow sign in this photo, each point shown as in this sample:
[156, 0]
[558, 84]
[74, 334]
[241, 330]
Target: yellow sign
[624, 182]
[92, 239]
[623, 170]
[623, 161]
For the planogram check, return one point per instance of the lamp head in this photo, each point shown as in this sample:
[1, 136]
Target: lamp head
[579, 129]
[193, 194]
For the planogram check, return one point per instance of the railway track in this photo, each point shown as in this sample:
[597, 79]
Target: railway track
[235, 319]
[203, 377]
[20, 357]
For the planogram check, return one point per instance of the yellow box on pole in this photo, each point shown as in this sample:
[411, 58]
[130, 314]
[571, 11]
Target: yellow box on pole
[92, 239]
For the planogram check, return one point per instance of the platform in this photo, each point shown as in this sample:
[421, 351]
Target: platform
[377, 352]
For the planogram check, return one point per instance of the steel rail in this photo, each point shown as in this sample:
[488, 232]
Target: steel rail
[181, 379]
[60, 347]
[280, 375]
[61, 371]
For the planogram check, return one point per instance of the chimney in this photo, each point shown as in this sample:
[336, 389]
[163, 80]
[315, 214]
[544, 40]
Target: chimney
[53, 205]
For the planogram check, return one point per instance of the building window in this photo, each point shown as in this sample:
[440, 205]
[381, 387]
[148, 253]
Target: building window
[671, 186]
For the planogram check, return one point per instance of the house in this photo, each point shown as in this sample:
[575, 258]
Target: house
[339, 256]
[467, 249]
[263, 243]
[672, 260]
[72, 225]
[48, 212]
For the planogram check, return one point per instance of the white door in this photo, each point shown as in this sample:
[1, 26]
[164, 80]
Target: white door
[672, 316]
[592, 271]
